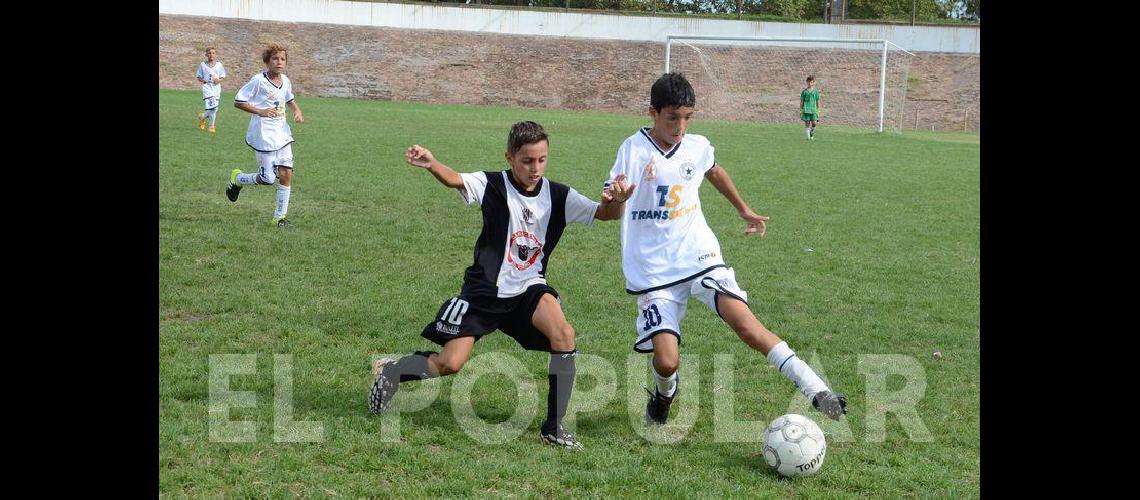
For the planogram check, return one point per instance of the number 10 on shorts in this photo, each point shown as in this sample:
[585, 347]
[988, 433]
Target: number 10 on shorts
[455, 311]
[652, 317]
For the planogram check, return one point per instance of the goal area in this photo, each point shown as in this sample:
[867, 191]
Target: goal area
[862, 82]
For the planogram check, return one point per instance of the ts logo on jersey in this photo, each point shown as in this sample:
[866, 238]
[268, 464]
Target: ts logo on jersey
[278, 106]
[674, 194]
[669, 198]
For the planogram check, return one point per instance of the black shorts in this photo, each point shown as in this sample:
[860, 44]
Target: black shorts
[477, 316]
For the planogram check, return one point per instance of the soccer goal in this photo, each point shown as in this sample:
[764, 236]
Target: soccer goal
[862, 82]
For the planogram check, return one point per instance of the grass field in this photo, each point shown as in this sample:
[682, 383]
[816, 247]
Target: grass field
[892, 224]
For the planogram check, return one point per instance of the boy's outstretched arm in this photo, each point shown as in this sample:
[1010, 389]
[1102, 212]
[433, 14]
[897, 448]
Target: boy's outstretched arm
[419, 156]
[614, 196]
[722, 182]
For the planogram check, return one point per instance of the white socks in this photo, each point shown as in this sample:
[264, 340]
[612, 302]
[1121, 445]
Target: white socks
[785, 360]
[282, 201]
[665, 385]
[247, 179]
[213, 116]
[807, 132]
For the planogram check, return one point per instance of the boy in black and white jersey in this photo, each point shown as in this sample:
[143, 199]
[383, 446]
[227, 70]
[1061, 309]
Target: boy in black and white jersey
[505, 288]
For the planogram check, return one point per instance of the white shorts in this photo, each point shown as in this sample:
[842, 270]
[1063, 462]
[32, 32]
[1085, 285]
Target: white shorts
[661, 311]
[210, 103]
[269, 161]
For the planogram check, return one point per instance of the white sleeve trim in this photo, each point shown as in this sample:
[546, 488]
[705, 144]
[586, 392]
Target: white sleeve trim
[580, 209]
[474, 185]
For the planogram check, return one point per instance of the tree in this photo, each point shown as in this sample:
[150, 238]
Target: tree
[799, 9]
[968, 9]
[899, 10]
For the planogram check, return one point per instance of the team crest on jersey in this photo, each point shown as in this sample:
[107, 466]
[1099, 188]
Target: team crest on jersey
[528, 216]
[524, 250]
[650, 172]
[687, 170]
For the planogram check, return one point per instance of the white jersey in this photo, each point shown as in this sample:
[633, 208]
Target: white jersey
[209, 74]
[520, 231]
[664, 237]
[267, 134]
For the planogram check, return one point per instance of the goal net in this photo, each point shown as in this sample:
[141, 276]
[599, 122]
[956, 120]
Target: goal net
[862, 83]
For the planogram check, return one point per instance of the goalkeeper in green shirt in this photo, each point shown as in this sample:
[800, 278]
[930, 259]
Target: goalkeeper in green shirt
[810, 107]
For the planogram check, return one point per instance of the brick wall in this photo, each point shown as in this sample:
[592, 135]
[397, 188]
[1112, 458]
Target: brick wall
[492, 69]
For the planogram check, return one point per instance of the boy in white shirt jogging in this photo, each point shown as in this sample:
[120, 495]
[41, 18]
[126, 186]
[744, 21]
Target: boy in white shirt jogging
[670, 254]
[210, 74]
[266, 96]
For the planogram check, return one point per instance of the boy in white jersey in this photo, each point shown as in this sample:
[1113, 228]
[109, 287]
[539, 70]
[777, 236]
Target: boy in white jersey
[669, 253]
[210, 74]
[505, 288]
[266, 96]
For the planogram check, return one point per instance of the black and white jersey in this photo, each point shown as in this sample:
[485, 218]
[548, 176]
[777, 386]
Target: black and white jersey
[520, 230]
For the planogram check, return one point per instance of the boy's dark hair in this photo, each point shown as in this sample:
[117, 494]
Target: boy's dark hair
[273, 49]
[523, 133]
[672, 89]
[811, 79]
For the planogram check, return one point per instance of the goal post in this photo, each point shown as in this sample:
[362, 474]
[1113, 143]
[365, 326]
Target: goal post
[863, 82]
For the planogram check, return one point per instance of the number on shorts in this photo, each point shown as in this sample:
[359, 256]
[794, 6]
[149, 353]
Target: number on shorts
[455, 311]
[652, 317]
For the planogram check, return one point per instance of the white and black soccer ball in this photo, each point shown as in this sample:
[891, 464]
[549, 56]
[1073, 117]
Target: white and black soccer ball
[794, 446]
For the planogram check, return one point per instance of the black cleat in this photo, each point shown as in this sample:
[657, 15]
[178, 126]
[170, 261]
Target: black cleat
[558, 437]
[383, 387]
[832, 404]
[233, 189]
[282, 222]
[657, 410]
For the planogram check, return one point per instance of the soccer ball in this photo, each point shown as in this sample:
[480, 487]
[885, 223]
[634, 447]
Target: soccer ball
[794, 446]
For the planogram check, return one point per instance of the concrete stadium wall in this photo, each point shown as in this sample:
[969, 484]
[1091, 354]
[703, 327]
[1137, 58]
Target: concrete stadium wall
[949, 39]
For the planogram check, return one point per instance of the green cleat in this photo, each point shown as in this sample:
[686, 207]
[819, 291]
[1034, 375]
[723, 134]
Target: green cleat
[281, 222]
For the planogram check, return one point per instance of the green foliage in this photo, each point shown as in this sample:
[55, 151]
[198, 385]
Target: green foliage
[799, 9]
[898, 10]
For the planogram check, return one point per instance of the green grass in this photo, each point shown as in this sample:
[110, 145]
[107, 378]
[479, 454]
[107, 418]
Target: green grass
[377, 245]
